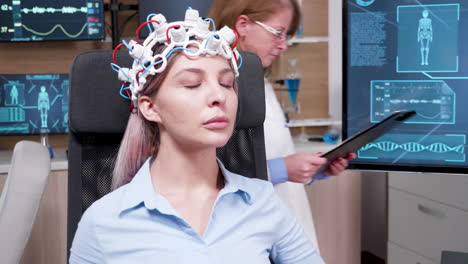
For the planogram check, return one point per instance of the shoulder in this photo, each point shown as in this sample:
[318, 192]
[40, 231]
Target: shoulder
[259, 190]
[87, 246]
[255, 183]
[105, 206]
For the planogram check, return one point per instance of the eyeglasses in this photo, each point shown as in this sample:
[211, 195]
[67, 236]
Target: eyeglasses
[280, 35]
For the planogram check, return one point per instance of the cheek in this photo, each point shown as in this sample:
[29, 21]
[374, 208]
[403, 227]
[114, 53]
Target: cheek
[232, 105]
[231, 110]
[265, 54]
[258, 45]
[176, 111]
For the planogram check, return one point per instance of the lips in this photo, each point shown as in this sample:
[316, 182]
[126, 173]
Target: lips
[216, 123]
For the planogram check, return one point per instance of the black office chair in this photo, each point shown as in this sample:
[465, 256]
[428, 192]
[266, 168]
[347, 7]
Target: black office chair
[98, 116]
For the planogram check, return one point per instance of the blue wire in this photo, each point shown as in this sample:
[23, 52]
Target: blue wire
[178, 48]
[148, 19]
[240, 61]
[126, 45]
[146, 69]
[114, 67]
[143, 65]
[206, 43]
[122, 88]
[167, 56]
[117, 68]
[212, 23]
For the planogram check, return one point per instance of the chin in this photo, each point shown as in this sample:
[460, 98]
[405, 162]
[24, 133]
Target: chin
[267, 62]
[220, 140]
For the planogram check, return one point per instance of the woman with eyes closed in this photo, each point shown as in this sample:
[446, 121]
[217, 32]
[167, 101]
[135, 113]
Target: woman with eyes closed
[264, 27]
[174, 202]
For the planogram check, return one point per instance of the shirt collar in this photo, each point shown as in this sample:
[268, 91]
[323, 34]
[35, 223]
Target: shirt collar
[140, 190]
[235, 183]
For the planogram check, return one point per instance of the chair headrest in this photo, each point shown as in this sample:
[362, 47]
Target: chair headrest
[95, 105]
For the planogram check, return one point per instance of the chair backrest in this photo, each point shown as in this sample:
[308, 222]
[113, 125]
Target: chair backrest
[20, 198]
[98, 116]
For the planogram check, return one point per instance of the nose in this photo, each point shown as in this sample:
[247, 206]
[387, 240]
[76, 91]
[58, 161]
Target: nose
[283, 44]
[217, 95]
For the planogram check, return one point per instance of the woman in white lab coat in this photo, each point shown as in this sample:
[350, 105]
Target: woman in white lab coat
[263, 27]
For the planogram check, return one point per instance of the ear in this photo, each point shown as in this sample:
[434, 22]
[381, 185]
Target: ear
[148, 109]
[242, 25]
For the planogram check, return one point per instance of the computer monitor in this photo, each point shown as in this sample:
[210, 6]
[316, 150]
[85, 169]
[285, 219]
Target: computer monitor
[172, 10]
[30, 20]
[407, 55]
[31, 103]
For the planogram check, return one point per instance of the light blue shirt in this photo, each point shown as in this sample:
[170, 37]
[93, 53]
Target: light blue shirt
[249, 223]
[279, 172]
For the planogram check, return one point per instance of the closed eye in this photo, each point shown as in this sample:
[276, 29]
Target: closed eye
[226, 85]
[193, 86]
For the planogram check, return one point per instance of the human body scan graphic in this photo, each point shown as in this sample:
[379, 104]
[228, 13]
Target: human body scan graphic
[43, 105]
[428, 38]
[14, 95]
[425, 35]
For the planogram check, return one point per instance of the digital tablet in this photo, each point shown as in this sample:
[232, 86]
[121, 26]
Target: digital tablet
[357, 141]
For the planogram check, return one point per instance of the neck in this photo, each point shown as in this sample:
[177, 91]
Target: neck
[177, 169]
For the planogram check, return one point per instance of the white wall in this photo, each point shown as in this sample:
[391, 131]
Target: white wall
[335, 59]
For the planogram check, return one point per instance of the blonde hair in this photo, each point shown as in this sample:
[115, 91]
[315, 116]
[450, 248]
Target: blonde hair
[226, 12]
[141, 137]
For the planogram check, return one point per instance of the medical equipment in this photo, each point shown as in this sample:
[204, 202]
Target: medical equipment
[192, 36]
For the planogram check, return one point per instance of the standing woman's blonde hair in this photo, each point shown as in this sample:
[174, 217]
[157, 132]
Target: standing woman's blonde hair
[226, 12]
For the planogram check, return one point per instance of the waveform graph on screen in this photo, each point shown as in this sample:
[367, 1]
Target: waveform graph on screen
[31, 103]
[433, 100]
[28, 20]
[448, 148]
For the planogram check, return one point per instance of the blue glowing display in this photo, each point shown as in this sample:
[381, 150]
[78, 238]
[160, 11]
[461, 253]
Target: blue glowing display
[29, 103]
[408, 55]
[28, 20]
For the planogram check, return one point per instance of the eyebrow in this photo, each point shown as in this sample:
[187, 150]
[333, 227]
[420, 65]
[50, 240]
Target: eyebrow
[194, 70]
[225, 70]
[200, 71]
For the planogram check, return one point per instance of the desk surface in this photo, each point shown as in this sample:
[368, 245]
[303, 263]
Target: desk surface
[58, 163]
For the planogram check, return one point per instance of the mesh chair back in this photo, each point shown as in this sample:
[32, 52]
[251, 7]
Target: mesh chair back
[98, 116]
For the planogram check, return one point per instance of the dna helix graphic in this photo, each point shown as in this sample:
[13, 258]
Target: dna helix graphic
[436, 147]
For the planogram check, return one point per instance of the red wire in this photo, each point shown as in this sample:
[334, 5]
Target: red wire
[137, 37]
[137, 74]
[114, 53]
[167, 33]
[235, 57]
[128, 93]
[237, 39]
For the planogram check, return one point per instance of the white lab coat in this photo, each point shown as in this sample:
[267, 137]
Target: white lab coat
[279, 143]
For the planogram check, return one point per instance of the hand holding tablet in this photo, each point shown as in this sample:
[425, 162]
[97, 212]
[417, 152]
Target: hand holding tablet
[355, 142]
